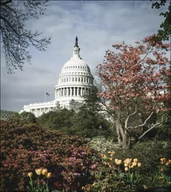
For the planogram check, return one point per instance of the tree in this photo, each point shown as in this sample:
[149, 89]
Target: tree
[22, 119]
[16, 38]
[92, 100]
[134, 78]
[58, 119]
[88, 121]
[165, 27]
[28, 117]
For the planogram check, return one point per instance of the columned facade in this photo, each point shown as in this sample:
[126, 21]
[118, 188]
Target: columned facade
[71, 91]
[75, 80]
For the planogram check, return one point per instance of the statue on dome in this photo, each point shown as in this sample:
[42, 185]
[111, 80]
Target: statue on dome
[76, 41]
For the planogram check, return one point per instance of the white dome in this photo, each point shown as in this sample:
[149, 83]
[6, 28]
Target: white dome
[75, 78]
[75, 64]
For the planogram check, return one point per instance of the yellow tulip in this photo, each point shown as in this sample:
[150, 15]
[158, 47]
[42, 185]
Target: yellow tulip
[128, 160]
[131, 166]
[119, 162]
[116, 160]
[126, 169]
[38, 171]
[111, 153]
[139, 164]
[30, 174]
[134, 164]
[44, 171]
[48, 175]
[163, 160]
[135, 160]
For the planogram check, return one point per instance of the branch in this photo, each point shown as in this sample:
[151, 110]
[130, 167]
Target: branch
[4, 3]
[126, 121]
[107, 109]
[6, 21]
[146, 55]
[144, 121]
[148, 130]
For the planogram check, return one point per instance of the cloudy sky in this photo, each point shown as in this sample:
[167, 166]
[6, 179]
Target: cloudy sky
[98, 25]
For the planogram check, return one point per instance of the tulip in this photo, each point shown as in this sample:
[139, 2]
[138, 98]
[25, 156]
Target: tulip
[134, 164]
[126, 169]
[118, 162]
[30, 174]
[38, 171]
[44, 171]
[135, 160]
[48, 175]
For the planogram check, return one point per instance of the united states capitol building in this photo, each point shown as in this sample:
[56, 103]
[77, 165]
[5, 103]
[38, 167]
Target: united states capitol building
[74, 81]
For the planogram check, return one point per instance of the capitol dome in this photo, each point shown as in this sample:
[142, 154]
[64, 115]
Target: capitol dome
[74, 80]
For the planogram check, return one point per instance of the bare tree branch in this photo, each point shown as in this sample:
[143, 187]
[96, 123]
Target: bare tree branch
[16, 38]
[144, 122]
[127, 119]
[5, 2]
[148, 130]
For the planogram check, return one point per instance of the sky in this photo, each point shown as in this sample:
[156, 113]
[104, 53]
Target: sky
[98, 25]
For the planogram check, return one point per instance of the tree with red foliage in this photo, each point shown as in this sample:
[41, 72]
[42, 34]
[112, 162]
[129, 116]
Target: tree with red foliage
[134, 81]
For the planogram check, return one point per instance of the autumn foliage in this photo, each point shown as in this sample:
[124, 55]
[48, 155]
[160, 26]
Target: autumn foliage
[135, 79]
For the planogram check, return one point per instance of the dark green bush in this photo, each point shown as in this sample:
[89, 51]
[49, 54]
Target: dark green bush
[149, 153]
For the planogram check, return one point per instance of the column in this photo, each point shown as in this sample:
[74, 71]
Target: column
[66, 91]
[61, 92]
[74, 91]
[77, 91]
[69, 91]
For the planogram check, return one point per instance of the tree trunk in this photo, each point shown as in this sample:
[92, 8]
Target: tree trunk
[122, 135]
[118, 134]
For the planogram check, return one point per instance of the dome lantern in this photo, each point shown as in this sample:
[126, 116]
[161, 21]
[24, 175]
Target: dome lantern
[76, 50]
